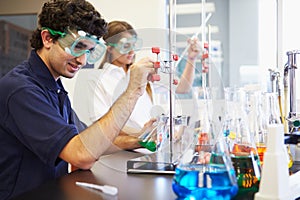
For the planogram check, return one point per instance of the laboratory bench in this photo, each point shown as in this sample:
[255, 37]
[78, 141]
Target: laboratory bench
[110, 170]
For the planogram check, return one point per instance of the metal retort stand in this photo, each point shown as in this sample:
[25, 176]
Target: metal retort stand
[292, 134]
[163, 161]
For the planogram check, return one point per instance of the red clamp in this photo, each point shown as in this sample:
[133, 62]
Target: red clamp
[175, 82]
[204, 56]
[156, 65]
[156, 77]
[206, 45]
[155, 50]
[175, 57]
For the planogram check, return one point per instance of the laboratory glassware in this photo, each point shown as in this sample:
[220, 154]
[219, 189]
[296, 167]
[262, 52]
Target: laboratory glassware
[205, 170]
[272, 112]
[257, 118]
[241, 142]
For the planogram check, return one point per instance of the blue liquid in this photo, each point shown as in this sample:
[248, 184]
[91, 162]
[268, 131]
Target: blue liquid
[204, 182]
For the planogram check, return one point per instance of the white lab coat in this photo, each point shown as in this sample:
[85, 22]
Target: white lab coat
[98, 89]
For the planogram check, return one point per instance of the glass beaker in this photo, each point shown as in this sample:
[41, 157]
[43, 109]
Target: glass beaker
[205, 170]
[242, 146]
[155, 138]
[162, 132]
[158, 138]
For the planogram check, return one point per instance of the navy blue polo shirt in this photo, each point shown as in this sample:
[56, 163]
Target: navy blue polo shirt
[33, 131]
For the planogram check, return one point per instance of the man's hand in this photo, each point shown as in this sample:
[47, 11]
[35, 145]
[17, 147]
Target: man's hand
[140, 74]
[148, 126]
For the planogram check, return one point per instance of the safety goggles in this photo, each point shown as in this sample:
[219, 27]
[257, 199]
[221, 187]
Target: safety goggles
[125, 45]
[77, 44]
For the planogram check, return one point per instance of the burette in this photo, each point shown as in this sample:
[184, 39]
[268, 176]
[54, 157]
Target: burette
[172, 48]
[205, 47]
[203, 40]
[202, 29]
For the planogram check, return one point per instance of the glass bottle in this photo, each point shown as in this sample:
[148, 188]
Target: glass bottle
[243, 151]
[272, 112]
[205, 170]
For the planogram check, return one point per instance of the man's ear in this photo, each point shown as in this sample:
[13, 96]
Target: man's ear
[46, 38]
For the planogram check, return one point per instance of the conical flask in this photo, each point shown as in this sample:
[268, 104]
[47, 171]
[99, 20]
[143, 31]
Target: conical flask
[205, 170]
[256, 118]
[244, 155]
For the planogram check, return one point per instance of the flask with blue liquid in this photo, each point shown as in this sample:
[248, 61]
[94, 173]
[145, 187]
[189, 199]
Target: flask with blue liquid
[205, 170]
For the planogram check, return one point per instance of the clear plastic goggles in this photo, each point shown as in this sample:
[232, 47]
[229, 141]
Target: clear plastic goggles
[125, 45]
[77, 44]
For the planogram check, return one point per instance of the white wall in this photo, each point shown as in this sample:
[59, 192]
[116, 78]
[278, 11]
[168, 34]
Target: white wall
[243, 37]
[148, 18]
[139, 13]
[267, 41]
[291, 35]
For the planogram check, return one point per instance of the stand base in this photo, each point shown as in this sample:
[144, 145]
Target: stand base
[292, 138]
[156, 163]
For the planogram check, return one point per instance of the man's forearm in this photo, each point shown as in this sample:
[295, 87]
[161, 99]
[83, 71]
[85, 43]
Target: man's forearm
[85, 148]
[100, 135]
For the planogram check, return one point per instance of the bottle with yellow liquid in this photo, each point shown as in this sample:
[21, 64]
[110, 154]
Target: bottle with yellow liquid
[272, 112]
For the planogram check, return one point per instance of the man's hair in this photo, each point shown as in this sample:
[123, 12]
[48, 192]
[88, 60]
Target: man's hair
[75, 14]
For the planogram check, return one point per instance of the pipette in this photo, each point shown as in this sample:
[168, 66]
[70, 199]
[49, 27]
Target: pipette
[111, 190]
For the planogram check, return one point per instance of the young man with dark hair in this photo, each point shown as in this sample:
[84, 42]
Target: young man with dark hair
[39, 135]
